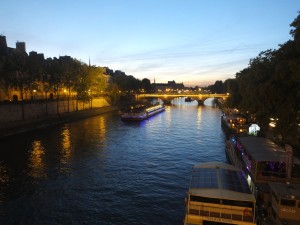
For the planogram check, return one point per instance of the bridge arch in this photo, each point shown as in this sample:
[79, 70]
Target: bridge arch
[167, 98]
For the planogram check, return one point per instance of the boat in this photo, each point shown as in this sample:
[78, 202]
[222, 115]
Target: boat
[219, 193]
[261, 160]
[188, 99]
[141, 112]
[271, 174]
[234, 124]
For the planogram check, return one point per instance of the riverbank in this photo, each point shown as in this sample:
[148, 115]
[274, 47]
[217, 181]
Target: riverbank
[18, 127]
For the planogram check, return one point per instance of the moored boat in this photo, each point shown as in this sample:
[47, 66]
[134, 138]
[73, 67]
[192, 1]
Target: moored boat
[141, 112]
[234, 124]
[271, 172]
[188, 99]
[219, 193]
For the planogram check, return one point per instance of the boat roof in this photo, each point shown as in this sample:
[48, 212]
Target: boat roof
[262, 149]
[220, 180]
[286, 190]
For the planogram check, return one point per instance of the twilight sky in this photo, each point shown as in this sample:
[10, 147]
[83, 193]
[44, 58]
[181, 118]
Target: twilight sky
[192, 41]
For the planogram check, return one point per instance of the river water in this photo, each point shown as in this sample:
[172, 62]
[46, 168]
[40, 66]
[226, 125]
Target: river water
[101, 170]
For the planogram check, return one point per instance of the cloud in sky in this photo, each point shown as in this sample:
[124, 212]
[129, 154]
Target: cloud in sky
[196, 41]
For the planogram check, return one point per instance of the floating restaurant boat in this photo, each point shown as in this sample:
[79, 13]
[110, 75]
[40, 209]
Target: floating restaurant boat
[262, 160]
[272, 176]
[284, 203]
[141, 112]
[219, 193]
[234, 124]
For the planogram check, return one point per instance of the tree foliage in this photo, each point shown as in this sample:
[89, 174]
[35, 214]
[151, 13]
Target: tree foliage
[270, 86]
[27, 73]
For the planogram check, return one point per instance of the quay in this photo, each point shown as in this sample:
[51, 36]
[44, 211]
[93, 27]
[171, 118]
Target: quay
[21, 126]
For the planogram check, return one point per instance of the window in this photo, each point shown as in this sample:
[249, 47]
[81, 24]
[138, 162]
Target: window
[237, 203]
[288, 202]
[205, 200]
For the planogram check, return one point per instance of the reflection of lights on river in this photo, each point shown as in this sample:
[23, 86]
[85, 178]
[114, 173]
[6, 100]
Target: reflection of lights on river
[36, 159]
[102, 128]
[65, 144]
[4, 178]
[199, 117]
[168, 117]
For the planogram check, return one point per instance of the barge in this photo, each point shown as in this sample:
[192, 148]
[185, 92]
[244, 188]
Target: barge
[141, 112]
[272, 174]
[234, 124]
[219, 193]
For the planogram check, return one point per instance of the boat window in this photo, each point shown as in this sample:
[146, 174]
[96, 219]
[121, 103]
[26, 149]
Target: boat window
[204, 199]
[288, 202]
[237, 203]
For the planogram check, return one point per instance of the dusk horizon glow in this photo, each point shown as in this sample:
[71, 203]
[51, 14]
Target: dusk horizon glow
[195, 42]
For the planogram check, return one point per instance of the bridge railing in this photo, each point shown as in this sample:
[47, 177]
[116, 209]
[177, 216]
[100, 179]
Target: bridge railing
[184, 95]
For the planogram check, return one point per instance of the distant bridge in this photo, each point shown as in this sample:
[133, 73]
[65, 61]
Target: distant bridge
[167, 98]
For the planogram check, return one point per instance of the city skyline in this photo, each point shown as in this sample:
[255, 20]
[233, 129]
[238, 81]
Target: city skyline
[195, 42]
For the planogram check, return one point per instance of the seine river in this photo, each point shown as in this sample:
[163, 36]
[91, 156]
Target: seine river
[101, 170]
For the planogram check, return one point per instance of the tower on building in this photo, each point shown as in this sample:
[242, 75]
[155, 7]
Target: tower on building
[21, 46]
[3, 45]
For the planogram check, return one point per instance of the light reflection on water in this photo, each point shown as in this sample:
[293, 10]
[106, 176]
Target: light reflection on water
[36, 160]
[65, 145]
[104, 171]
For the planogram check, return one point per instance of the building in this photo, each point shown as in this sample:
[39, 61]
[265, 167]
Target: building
[38, 87]
[3, 46]
[171, 86]
[6, 51]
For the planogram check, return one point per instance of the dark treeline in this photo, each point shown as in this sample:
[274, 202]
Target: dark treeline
[32, 73]
[270, 87]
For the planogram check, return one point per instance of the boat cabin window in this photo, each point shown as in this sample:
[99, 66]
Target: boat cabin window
[237, 203]
[204, 199]
[221, 201]
[288, 202]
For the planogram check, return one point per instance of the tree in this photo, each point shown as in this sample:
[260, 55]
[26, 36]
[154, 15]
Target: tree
[217, 87]
[54, 78]
[17, 74]
[295, 31]
[146, 85]
[270, 87]
[232, 87]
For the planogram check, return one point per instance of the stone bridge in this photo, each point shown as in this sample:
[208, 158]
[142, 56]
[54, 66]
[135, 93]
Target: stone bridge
[167, 98]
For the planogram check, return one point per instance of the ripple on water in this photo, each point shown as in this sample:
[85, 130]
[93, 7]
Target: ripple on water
[104, 171]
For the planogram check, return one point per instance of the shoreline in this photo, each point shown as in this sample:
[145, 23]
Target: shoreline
[18, 127]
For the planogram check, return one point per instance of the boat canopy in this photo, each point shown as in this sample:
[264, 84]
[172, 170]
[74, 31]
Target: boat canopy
[262, 149]
[286, 190]
[220, 180]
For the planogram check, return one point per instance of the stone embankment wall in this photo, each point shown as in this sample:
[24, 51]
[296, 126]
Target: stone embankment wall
[35, 110]
[40, 115]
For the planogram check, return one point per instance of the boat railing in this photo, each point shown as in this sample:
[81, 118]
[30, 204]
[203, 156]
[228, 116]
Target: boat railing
[153, 108]
[271, 176]
[222, 214]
